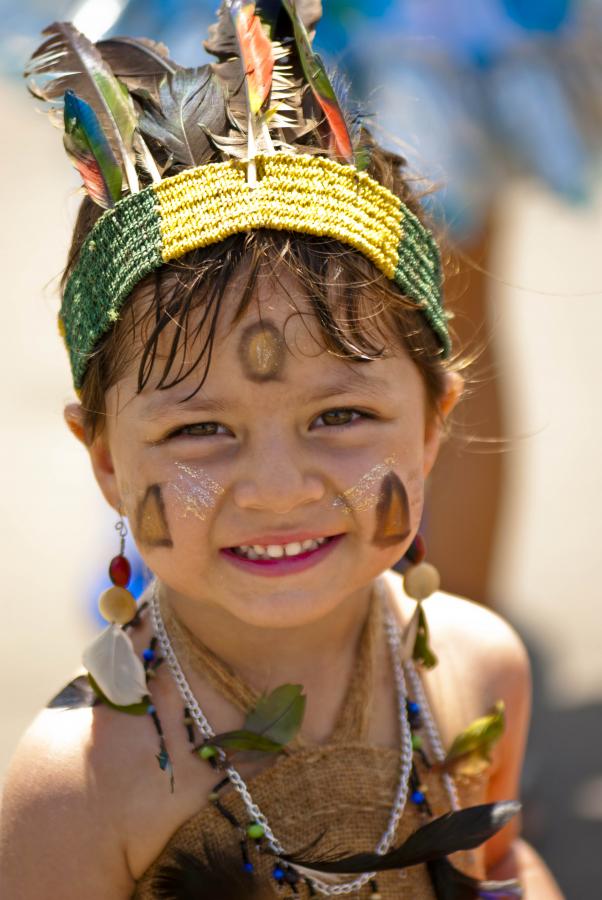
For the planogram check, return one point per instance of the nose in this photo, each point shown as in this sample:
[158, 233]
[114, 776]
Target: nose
[278, 478]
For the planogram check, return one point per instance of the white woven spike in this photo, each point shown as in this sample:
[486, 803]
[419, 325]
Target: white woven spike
[113, 664]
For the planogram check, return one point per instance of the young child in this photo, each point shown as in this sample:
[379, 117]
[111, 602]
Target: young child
[263, 366]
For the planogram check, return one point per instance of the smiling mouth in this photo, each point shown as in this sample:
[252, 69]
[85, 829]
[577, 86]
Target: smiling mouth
[292, 550]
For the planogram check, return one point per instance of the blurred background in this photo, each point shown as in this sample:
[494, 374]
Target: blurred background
[497, 106]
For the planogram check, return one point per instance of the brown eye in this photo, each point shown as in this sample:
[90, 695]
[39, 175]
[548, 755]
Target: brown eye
[339, 417]
[201, 429]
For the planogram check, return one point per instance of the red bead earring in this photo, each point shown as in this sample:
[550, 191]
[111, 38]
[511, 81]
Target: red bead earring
[116, 604]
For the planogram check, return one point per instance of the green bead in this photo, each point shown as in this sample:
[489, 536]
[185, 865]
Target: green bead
[255, 831]
[416, 742]
[207, 752]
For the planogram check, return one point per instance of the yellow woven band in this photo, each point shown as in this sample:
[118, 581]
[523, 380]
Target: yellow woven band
[297, 193]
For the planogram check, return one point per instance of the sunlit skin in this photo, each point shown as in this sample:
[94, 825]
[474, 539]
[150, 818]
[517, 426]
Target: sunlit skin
[245, 459]
[282, 451]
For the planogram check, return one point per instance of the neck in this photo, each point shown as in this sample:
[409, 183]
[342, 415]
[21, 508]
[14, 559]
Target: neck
[267, 657]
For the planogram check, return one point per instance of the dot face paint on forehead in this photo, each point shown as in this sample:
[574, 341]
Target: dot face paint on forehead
[151, 522]
[194, 491]
[261, 351]
[392, 512]
[365, 493]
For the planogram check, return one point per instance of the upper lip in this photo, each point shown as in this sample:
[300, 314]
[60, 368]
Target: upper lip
[264, 540]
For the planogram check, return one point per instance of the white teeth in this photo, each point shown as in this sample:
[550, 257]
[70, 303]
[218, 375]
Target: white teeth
[292, 549]
[277, 551]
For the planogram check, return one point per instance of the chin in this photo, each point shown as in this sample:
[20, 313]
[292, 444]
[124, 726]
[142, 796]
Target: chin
[277, 606]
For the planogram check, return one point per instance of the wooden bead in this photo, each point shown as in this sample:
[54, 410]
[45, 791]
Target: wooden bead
[117, 605]
[420, 581]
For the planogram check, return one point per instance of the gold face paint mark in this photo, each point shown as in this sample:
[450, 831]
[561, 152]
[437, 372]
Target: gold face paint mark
[392, 512]
[365, 493]
[151, 523]
[195, 491]
[261, 351]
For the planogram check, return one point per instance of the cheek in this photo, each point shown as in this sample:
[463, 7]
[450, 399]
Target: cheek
[386, 501]
[363, 493]
[192, 493]
[169, 514]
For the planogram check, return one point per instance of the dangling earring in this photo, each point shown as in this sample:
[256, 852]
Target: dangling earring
[420, 580]
[117, 604]
[115, 671]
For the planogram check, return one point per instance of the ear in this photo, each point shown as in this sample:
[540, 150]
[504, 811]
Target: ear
[433, 431]
[99, 452]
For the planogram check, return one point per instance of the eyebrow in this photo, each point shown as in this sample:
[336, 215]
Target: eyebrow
[353, 381]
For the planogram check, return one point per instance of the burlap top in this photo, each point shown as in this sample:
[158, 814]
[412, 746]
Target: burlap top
[341, 790]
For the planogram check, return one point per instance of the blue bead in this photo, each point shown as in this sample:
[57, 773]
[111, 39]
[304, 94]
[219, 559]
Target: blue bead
[248, 867]
[417, 797]
[148, 654]
[150, 709]
[278, 873]
[413, 708]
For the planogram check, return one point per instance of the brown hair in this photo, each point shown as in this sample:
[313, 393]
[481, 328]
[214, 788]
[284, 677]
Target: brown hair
[359, 311]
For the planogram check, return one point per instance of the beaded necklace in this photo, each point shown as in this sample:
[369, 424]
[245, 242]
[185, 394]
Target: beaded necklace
[408, 713]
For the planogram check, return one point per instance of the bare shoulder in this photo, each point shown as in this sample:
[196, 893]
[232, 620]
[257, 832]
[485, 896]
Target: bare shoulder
[481, 659]
[60, 835]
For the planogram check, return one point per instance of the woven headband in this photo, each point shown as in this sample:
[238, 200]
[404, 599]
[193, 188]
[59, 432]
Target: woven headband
[255, 140]
[202, 206]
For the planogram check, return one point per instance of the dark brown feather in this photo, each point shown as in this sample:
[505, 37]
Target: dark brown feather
[461, 830]
[220, 878]
[191, 102]
[141, 64]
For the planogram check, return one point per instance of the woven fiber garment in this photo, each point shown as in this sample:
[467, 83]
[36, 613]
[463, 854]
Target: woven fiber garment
[202, 206]
[342, 789]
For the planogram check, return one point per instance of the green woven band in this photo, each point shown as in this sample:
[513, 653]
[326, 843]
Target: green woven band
[202, 206]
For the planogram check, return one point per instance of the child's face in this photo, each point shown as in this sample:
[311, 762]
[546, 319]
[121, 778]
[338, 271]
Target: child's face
[283, 445]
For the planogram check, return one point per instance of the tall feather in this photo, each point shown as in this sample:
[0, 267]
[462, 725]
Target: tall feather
[191, 103]
[461, 830]
[320, 85]
[141, 64]
[256, 53]
[90, 151]
[257, 60]
[68, 60]
[221, 36]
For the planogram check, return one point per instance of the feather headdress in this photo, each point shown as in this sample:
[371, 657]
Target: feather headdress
[162, 148]
[267, 91]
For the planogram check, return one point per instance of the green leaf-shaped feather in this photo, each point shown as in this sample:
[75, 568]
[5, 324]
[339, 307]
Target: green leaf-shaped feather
[422, 650]
[471, 749]
[270, 725]
[278, 715]
[246, 741]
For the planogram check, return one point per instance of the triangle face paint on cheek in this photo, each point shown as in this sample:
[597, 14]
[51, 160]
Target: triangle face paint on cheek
[152, 528]
[392, 512]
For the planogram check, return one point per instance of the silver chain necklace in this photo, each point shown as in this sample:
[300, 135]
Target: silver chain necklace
[254, 812]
